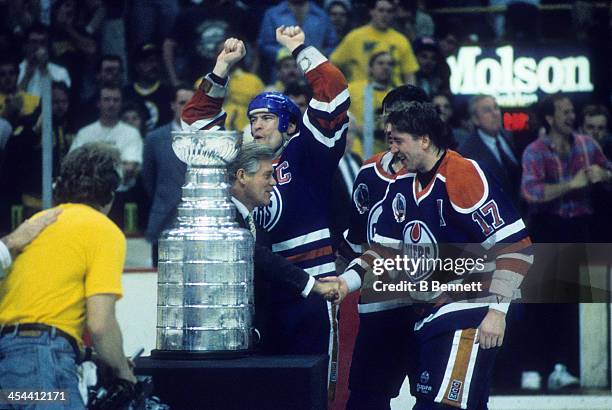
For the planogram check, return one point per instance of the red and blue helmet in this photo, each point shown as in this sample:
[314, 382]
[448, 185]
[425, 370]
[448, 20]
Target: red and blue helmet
[276, 103]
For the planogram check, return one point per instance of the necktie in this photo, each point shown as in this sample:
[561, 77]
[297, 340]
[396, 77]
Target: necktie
[251, 223]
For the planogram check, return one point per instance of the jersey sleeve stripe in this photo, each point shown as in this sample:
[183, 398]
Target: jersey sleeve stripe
[340, 102]
[312, 254]
[205, 123]
[503, 233]
[329, 142]
[301, 240]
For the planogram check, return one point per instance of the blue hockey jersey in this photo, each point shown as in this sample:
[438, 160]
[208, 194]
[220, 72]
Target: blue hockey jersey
[298, 215]
[459, 209]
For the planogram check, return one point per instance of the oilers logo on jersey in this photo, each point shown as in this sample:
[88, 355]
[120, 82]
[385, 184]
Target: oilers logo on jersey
[361, 198]
[421, 246]
[268, 216]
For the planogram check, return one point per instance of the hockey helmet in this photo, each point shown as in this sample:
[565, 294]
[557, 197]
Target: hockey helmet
[276, 103]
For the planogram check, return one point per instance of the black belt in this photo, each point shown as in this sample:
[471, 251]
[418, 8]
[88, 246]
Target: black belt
[26, 329]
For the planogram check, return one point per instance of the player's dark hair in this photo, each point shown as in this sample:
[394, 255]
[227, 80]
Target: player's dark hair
[88, 175]
[419, 119]
[405, 93]
[547, 108]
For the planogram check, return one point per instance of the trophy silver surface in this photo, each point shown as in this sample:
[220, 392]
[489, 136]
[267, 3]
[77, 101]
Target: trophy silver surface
[205, 299]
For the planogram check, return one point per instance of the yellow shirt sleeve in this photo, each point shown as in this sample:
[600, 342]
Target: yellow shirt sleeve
[105, 262]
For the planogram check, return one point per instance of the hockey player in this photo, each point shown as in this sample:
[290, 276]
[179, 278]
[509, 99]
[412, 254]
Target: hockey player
[384, 347]
[448, 199]
[308, 150]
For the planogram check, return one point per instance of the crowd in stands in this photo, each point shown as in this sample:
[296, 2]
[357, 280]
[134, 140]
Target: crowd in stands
[117, 68]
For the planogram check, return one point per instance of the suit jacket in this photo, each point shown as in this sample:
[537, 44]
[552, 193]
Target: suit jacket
[475, 149]
[163, 175]
[275, 278]
[271, 267]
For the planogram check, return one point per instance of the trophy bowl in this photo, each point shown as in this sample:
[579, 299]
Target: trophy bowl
[206, 148]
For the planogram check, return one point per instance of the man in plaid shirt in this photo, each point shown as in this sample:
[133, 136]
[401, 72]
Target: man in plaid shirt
[558, 169]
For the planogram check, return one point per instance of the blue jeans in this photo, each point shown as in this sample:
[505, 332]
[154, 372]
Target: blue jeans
[39, 363]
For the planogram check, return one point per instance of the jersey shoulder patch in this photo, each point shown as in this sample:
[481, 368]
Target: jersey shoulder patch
[466, 183]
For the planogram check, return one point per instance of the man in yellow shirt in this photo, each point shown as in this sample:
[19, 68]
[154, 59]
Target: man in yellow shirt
[366, 103]
[68, 277]
[354, 52]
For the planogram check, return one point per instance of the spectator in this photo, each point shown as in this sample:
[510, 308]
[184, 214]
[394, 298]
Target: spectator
[24, 152]
[14, 103]
[136, 115]
[111, 130]
[447, 40]
[36, 51]
[300, 94]
[434, 73]
[492, 147]
[594, 122]
[109, 72]
[558, 169]
[70, 45]
[366, 102]
[339, 12]
[354, 52]
[557, 194]
[317, 26]
[444, 105]
[287, 72]
[163, 174]
[148, 89]
[198, 30]
[150, 21]
[242, 88]
[413, 21]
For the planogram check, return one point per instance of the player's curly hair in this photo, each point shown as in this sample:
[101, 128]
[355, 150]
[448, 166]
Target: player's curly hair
[88, 175]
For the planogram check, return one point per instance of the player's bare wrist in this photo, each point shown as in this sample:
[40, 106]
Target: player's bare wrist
[221, 69]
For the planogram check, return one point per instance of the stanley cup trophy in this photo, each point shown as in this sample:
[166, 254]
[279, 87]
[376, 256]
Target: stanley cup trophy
[205, 299]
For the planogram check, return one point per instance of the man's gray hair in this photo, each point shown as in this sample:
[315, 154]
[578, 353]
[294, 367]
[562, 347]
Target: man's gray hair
[248, 159]
[474, 100]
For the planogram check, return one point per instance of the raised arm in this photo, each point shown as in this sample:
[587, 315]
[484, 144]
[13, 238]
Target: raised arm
[204, 110]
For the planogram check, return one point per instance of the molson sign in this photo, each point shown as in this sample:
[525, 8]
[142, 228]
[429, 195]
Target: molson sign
[516, 76]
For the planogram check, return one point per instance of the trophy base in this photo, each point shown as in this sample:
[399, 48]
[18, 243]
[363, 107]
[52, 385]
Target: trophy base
[198, 354]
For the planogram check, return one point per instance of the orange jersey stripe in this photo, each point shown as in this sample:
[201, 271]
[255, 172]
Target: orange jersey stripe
[315, 253]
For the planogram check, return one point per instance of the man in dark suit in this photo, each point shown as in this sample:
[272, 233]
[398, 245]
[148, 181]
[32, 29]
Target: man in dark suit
[163, 174]
[492, 147]
[252, 178]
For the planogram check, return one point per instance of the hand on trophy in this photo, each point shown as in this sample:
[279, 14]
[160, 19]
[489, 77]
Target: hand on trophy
[232, 52]
[290, 37]
[342, 287]
[327, 290]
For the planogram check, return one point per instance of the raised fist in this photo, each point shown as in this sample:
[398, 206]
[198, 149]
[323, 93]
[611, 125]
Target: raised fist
[233, 51]
[290, 36]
